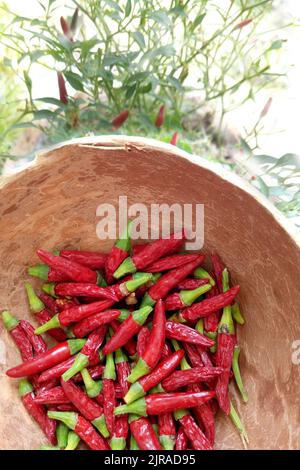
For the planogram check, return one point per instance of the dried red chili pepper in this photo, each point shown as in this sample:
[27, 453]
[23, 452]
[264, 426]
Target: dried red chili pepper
[89, 324]
[165, 402]
[196, 437]
[122, 370]
[170, 262]
[144, 433]
[138, 248]
[44, 361]
[174, 139]
[130, 327]
[90, 259]
[82, 427]
[46, 273]
[123, 289]
[119, 252]
[74, 314]
[191, 284]
[208, 306]
[183, 378]
[75, 271]
[63, 94]
[218, 266]
[152, 252]
[142, 341]
[166, 352]
[169, 281]
[181, 440]
[119, 120]
[211, 322]
[57, 371]
[167, 430]
[54, 396]
[109, 395]
[88, 354]
[130, 345]
[94, 371]
[186, 334]
[204, 414]
[12, 325]
[37, 412]
[89, 409]
[185, 298]
[161, 371]
[49, 302]
[152, 354]
[118, 440]
[37, 307]
[78, 289]
[160, 117]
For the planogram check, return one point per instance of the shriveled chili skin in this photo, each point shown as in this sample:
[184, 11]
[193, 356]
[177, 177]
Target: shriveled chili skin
[186, 334]
[218, 270]
[73, 270]
[84, 404]
[170, 262]
[89, 435]
[54, 396]
[85, 326]
[182, 378]
[138, 248]
[162, 370]
[190, 284]
[56, 333]
[211, 322]
[123, 371]
[123, 334]
[39, 414]
[226, 343]
[166, 352]
[122, 426]
[49, 303]
[204, 414]
[208, 306]
[55, 275]
[130, 345]
[22, 342]
[109, 403]
[94, 342]
[144, 434]
[166, 425]
[153, 351]
[113, 261]
[75, 314]
[181, 442]
[157, 249]
[80, 289]
[197, 438]
[65, 407]
[38, 344]
[91, 259]
[169, 281]
[166, 402]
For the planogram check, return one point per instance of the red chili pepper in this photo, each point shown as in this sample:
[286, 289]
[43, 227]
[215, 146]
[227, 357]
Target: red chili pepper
[89, 409]
[204, 415]
[78, 289]
[118, 253]
[82, 427]
[166, 352]
[218, 266]
[66, 29]
[44, 361]
[88, 354]
[208, 306]
[142, 341]
[144, 434]
[118, 440]
[185, 298]
[152, 354]
[162, 370]
[186, 334]
[109, 395]
[49, 302]
[54, 396]
[63, 94]
[243, 23]
[123, 370]
[165, 402]
[73, 270]
[152, 252]
[123, 289]
[167, 430]
[190, 284]
[182, 378]
[170, 262]
[130, 345]
[90, 259]
[160, 117]
[130, 327]
[136, 249]
[89, 324]
[120, 119]
[211, 322]
[95, 372]
[65, 407]
[174, 139]
[197, 438]
[169, 281]
[44, 272]
[181, 440]
[19, 336]
[38, 344]
[57, 371]
[37, 412]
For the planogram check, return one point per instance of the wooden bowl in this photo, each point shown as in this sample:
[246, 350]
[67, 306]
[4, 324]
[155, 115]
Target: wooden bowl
[52, 204]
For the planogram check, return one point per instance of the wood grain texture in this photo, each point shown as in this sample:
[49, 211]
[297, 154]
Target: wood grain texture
[53, 204]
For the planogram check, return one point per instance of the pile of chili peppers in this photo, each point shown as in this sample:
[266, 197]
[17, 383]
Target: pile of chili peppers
[145, 346]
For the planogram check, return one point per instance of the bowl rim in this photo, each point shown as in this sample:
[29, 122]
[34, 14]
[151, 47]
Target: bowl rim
[125, 142]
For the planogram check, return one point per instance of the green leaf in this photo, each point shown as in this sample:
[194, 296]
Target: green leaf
[28, 81]
[137, 77]
[145, 89]
[75, 80]
[128, 8]
[36, 55]
[113, 5]
[43, 114]
[261, 185]
[160, 17]
[130, 91]
[166, 51]
[289, 159]
[197, 21]
[50, 100]
[175, 83]
[276, 45]
[139, 38]
[23, 125]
